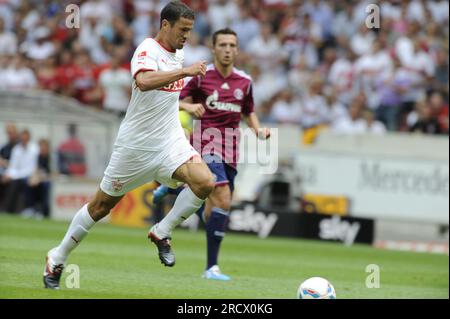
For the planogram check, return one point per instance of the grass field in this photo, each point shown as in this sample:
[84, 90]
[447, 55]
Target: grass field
[118, 262]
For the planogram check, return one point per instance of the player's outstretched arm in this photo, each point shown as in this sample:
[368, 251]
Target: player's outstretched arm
[253, 122]
[151, 80]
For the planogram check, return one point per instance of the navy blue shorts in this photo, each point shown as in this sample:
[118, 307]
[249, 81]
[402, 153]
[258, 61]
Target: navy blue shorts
[224, 173]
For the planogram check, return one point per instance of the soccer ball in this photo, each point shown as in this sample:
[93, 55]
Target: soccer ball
[316, 288]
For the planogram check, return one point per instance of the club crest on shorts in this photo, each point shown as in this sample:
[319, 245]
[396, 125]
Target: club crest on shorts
[117, 185]
[238, 94]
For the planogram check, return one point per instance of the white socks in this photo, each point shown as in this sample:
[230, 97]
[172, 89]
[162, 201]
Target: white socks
[78, 229]
[185, 205]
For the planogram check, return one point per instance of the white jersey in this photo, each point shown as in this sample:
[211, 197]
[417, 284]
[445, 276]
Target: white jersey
[152, 121]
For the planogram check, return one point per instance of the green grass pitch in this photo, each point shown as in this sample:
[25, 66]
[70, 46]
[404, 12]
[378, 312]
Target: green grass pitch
[118, 262]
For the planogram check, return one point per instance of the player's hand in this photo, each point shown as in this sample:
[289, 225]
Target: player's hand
[195, 69]
[196, 110]
[263, 133]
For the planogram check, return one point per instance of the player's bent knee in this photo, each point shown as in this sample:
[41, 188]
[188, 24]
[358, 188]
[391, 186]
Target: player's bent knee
[223, 203]
[204, 187]
[209, 185]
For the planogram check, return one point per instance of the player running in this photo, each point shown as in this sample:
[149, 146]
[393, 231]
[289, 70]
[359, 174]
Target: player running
[150, 145]
[221, 98]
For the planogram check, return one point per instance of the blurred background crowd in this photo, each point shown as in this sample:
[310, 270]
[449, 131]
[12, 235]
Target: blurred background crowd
[314, 63]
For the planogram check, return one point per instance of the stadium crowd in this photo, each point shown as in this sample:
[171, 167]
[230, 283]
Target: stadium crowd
[25, 170]
[314, 63]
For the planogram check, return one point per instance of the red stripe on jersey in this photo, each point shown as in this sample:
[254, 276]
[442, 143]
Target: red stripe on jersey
[141, 70]
[169, 90]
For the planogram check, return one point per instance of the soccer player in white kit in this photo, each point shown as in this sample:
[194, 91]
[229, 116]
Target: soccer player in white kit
[151, 144]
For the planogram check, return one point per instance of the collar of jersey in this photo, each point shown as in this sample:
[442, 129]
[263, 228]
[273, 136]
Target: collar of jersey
[164, 48]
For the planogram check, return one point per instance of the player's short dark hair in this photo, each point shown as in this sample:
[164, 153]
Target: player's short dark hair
[222, 31]
[175, 10]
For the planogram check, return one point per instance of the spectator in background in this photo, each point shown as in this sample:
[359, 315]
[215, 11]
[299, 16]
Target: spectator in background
[90, 34]
[321, 14]
[97, 10]
[71, 155]
[342, 76]
[287, 109]
[354, 124]
[4, 64]
[440, 79]
[440, 110]
[23, 163]
[101, 54]
[390, 89]
[426, 123]
[420, 60]
[265, 86]
[284, 44]
[303, 38]
[300, 76]
[264, 112]
[6, 150]
[372, 125]
[7, 15]
[42, 48]
[265, 49]
[65, 73]
[141, 20]
[39, 185]
[418, 68]
[5, 155]
[201, 25]
[336, 110]
[246, 27]
[18, 76]
[328, 59]
[222, 13]
[314, 110]
[195, 51]
[361, 43]
[373, 65]
[343, 24]
[84, 80]
[116, 85]
[47, 76]
[404, 45]
[8, 40]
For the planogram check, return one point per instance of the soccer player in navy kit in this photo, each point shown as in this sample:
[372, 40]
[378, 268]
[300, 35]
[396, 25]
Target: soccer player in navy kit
[219, 100]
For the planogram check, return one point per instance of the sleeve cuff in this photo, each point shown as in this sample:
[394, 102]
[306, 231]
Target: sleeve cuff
[142, 70]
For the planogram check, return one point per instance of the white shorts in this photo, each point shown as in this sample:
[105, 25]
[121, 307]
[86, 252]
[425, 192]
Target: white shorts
[129, 168]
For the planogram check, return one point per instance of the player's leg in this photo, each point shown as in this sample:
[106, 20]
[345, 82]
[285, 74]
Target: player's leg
[162, 191]
[217, 212]
[157, 201]
[120, 176]
[81, 223]
[198, 177]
